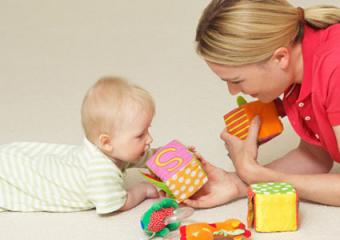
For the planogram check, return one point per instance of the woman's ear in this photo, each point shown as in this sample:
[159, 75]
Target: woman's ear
[281, 56]
[105, 143]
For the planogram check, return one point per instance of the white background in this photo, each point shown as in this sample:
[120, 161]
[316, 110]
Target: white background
[52, 51]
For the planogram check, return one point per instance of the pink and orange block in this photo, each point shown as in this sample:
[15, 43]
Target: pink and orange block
[176, 170]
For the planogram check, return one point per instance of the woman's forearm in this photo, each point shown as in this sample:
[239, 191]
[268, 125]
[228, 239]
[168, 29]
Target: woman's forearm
[320, 188]
[306, 168]
[306, 158]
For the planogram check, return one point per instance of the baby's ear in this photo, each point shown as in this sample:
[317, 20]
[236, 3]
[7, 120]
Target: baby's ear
[105, 143]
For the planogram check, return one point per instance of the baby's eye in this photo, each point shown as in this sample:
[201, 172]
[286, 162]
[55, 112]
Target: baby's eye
[141, 135]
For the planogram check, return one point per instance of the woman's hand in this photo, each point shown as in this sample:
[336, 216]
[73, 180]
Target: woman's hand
[222, 187]
[197, 154]
[243, 153]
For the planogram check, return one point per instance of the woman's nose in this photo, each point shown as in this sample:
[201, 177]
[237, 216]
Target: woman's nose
[233, 88]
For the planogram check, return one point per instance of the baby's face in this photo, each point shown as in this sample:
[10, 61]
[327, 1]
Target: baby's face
[132, 138]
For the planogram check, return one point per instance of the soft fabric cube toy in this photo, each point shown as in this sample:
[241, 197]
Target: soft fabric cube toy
[180, 173]
[238, 120]
[272, 207]
[230, 229]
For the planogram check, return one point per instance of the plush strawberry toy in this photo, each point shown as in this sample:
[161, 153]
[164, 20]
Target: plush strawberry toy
[153, 221]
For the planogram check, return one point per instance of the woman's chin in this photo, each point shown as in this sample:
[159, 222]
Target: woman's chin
[265, 99]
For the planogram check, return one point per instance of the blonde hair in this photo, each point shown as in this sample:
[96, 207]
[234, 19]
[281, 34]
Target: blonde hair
[239, 32]
[108, 101]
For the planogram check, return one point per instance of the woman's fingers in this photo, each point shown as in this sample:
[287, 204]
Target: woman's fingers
[254, 130]
[202, 202]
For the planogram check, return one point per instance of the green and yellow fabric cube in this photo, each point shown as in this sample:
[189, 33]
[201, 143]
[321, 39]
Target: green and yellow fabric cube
[272, 207]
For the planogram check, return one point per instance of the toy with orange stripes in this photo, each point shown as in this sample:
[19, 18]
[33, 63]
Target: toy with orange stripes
[238, 120]
[230, 229]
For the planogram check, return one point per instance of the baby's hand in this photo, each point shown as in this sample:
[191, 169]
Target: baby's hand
[150, 190]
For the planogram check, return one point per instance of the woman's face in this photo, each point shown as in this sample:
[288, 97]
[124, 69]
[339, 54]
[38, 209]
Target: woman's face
[264, 81]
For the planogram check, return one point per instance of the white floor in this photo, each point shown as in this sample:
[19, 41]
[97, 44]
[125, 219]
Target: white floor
[52, 51]
[316, 222]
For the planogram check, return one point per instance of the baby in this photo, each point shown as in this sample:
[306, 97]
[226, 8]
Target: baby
[116, 117]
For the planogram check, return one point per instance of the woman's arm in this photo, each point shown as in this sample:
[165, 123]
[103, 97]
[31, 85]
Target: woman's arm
[321, 188]
[305, 159]
[306, 168]
[224, 187]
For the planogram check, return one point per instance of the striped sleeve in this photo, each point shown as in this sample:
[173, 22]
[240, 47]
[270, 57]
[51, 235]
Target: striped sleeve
[105, 187]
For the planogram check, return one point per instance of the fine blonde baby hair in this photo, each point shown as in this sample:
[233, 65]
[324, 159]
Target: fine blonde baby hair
[107, 102]
[240, 32]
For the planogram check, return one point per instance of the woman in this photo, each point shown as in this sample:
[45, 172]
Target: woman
[265, 49]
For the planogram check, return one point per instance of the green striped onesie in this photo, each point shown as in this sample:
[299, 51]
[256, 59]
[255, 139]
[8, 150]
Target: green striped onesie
[59, 178]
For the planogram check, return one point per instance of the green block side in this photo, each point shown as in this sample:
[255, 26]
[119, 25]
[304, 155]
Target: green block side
[273, 188]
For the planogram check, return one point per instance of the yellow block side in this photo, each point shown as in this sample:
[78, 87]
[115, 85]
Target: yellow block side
[275, 212]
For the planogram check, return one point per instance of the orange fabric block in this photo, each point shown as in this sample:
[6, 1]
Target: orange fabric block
[238, 120]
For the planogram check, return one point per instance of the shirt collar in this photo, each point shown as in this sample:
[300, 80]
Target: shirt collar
[91, 147]
[97, 152]
[310, 41]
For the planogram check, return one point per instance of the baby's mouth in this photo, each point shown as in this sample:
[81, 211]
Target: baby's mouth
[145, 150]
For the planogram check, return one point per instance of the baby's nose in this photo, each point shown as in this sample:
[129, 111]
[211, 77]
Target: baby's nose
[150, 140]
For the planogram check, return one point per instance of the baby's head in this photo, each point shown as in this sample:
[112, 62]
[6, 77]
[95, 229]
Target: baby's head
[116, 116]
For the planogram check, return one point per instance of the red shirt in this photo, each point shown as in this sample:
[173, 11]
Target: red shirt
[313, 107]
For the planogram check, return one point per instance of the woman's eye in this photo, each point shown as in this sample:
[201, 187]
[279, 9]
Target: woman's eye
[236, 82]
